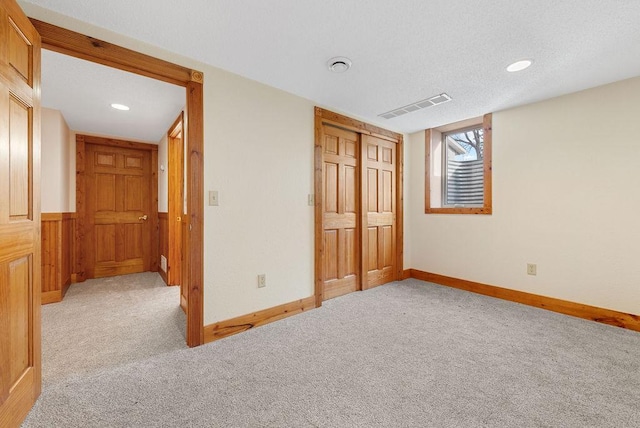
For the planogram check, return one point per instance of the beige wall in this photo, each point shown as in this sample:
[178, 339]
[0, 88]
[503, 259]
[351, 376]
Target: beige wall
[259, 155]
[56, 163]
[566, 196]
[163, 176]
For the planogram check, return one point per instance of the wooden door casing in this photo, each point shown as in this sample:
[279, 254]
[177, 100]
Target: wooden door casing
[175, 202]
[379, 211]
[340, 201]
[184, 289]
[20, 265]
[92, 49]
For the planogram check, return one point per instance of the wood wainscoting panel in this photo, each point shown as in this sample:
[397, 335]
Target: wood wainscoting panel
[57, 255]
[242, 323]
[163, 250]
[593, 313]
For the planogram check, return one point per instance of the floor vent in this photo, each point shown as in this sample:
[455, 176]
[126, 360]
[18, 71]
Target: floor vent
[419, 105]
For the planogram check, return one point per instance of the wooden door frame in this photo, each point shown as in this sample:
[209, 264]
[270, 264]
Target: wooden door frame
[175, 151]
[326, 117]
[91, 49]
[81, 202]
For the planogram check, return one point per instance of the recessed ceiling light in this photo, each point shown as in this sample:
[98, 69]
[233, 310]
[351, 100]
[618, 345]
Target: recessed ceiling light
[519, 65]
[120, 107]
[339, 64]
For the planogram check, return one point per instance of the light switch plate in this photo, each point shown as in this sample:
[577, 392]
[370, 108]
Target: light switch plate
[213, 198]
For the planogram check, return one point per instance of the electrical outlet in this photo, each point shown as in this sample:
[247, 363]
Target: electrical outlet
[532, 269]
[310, 200]
[262, 280]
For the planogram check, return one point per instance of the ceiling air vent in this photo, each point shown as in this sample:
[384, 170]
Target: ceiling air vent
[418, 105]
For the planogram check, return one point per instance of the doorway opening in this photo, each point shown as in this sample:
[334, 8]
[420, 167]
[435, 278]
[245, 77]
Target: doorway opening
[80, 46]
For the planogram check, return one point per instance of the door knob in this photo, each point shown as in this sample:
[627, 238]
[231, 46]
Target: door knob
[144, 217]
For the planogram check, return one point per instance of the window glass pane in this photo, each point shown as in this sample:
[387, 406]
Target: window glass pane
[464, 178]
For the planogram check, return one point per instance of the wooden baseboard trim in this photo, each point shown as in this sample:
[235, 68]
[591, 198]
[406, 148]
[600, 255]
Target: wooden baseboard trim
[593, 313]
[47, 297]
[242, 323]
[406, 274]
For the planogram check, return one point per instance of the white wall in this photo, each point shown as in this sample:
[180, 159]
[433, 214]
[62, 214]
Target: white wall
[163, 176]
[566, 196]
[57, 159]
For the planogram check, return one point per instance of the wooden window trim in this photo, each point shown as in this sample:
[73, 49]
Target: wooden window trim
[487, 208]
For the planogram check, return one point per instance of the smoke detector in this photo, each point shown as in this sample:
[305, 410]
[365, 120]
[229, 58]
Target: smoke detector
[339, 64]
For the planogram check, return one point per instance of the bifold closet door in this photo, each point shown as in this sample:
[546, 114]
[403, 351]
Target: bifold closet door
[340, 211]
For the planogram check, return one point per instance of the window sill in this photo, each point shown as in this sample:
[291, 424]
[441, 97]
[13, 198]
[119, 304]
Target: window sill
[474, 210]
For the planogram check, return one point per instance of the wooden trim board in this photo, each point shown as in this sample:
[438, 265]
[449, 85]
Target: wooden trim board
[593, 313]
[242, 323]
[85, 47]
[57, 216]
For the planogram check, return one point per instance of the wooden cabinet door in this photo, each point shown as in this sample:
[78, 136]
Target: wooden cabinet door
[379, 208]
[20, 370]
[341, 198]
[118, 209]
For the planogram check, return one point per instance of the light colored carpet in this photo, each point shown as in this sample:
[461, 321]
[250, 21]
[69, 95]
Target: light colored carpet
[408, 354]
[103, 323]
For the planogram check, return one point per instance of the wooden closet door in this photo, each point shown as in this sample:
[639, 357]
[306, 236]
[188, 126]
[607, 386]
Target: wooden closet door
[379, 211]
[20, 370]
[340, 208]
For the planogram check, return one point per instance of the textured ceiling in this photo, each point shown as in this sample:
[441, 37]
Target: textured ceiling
[84, 91]
[402, 51]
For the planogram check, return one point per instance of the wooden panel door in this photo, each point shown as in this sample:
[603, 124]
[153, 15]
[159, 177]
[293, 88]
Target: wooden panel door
[379, 211]
[341, 198]
[20, 371]
[118, 186]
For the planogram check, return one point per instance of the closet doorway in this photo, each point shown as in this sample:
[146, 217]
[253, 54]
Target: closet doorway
[358, 205]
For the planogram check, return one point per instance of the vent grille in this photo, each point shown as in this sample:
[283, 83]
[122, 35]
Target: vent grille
[418, 105]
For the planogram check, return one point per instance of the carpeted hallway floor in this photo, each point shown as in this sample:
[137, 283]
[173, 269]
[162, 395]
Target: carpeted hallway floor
[103, 323]
[407, 354]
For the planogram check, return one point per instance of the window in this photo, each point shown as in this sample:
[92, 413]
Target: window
[458, 168]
